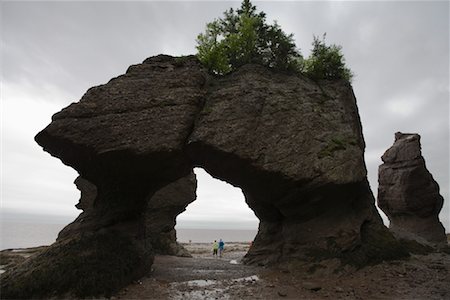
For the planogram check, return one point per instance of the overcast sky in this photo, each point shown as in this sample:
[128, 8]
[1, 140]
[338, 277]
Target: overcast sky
[52, 52]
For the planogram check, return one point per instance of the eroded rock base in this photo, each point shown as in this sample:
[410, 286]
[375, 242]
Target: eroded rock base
[90, 265]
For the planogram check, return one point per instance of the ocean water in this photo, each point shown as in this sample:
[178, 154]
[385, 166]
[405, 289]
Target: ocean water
[209, 235]
[28, 234]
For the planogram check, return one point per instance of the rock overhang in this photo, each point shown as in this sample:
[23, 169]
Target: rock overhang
[294, 146]
[128, 117]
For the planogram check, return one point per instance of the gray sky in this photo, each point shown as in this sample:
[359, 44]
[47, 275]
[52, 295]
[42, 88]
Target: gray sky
[52, 52]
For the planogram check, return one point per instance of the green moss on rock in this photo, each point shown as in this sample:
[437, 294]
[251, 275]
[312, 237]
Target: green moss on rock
[334, 145]
[377, 244]
[91, 265]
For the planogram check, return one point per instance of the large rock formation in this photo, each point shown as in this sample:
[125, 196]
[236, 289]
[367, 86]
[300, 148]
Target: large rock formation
[294, 147]
[408, 194]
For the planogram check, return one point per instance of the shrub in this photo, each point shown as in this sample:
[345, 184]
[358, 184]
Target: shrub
[242, 37]
[326, 62]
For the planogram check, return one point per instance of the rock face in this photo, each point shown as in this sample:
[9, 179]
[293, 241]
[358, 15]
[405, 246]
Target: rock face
[408, 194]
[162, 209]
[164, 206]
[294, 147]
[88, 193]
[296, 150]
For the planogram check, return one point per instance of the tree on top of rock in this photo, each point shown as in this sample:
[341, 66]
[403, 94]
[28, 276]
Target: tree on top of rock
[243, 37]
[326, 62]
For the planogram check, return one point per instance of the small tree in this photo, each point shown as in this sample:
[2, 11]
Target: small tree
[326, 62]
[242, 37]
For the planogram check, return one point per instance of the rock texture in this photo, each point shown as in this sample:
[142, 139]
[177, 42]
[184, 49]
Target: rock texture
[163, 208]
[408, 194]
[294, 147]
[88, 193]
[160, 215]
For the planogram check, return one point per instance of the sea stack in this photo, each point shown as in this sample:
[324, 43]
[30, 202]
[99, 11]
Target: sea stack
[408, 194]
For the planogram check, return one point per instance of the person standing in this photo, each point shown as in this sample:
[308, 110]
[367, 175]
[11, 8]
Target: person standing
[221, 246]
[215, 248]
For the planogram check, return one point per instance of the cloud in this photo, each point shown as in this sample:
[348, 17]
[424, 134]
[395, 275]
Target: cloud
[32, 180]
[217, 201]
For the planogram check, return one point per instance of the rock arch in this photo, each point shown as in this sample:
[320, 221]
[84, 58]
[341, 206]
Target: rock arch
[294, 147]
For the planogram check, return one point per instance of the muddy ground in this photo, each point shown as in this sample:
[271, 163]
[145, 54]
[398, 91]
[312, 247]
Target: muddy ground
[206, 277]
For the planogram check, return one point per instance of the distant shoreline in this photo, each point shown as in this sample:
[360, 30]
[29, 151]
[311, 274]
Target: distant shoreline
[23, 235]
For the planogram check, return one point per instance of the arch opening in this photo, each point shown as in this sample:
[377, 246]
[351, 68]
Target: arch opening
[219, 212]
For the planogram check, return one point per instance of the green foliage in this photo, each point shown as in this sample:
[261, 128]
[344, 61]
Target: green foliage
[326, 62]
[242, 37]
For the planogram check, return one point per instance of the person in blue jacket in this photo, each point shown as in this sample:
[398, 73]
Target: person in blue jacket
[221, 246]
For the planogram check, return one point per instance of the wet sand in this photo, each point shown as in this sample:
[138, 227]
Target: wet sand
[205, 277]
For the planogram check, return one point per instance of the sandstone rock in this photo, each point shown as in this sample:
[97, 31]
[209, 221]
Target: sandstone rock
[408, 194]
[131, 131]
[127, 137]
[163, 208]
[160, 215]
[88, 193]
[92, 264]
[294, 147]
